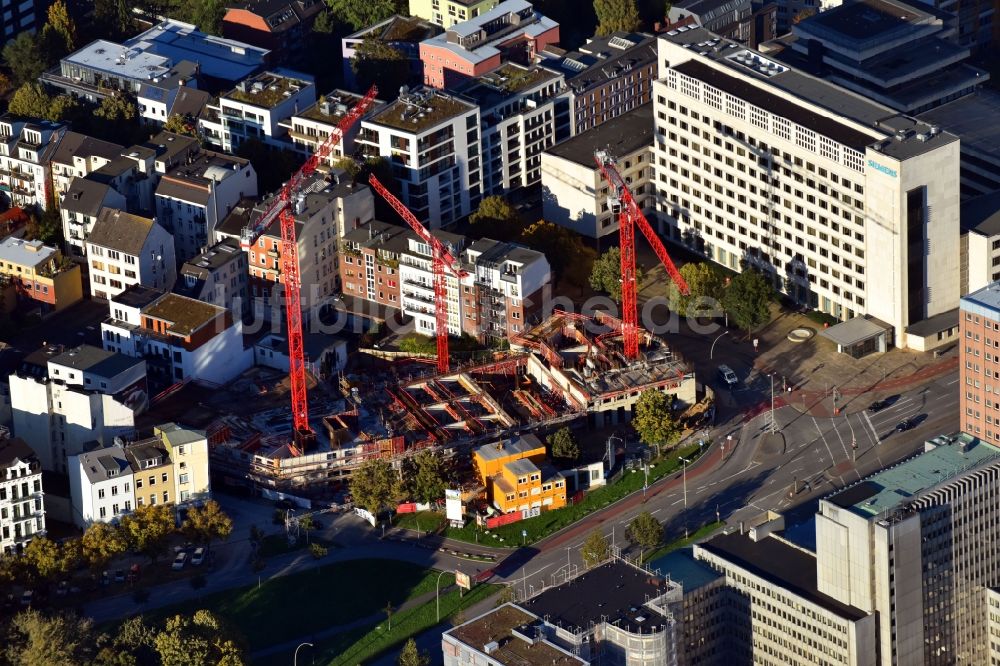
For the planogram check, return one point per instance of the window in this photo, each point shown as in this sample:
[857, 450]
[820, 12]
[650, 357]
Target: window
[103, 513]
[152, 481]
[138, 483]
[164, 477]
[166, 497]
[100, 493]
[183, 479]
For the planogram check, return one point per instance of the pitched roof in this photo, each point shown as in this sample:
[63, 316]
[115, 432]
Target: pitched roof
[85, 196]
[74, 144]
[118, 230]
[189, 102]
[13, 449]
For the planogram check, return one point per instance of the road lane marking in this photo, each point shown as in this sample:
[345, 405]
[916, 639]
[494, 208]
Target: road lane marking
[823, 437]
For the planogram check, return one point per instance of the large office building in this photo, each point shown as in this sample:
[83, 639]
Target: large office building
[850, 207]
[979, 367]
[433, 141]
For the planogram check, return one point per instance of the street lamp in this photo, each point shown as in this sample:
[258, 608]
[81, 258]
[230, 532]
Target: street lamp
[711, 350]
[437, 596]
[684, 463]
[645, 477]
[295, 659]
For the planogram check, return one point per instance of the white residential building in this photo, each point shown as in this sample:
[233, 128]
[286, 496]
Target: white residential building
[79, 208]
[22, 500]
[64, 401]
[100, 486]
[574, 191]
[125, 249]
[179, 337]
[26, 150]
[79, 155]
[517, 109]
[852, 208]
[433, 142]
[310, 127]
[255, 108]
[219, 276]
[193, 198]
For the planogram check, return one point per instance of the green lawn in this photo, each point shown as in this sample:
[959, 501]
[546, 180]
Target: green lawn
[551, 521]
[291, 606]
[277, 544]
[693, 537]
[358, 646]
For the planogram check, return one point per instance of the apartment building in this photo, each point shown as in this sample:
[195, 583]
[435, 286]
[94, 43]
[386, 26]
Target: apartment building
[22, 499]
[915, 544]
[433, 142]
[759, 165]
[179, 337]
[309, 128]
[79, 208]
[512, 30]
[217, 276]
[255, 108]
[282, 27]
[402, 33]
[369, 262]
[154, 65]
[188, 451]
[979, 336]
[152, 472]
[79, 155]
[100, 486]
[517, 476]
[40, 274]
[446, 13]
[606, 77]
[773, 610]
[63, 401]
[574, 191]
[328, 205]
[126, 249]
[26, 150]
[517, 108]
[192, 199]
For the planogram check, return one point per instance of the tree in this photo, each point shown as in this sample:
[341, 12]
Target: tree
[23, 56]
[307, 525]
[428, 481]
[616, 15]
[411, 656]
[595, 549]
[645, 531]
[148, 528]
[30, 101]
[207, 523]
[48, 640]
[803, 15]
[206, 14]
[497, 218]
[117, 107]
[114, 16]
[563, 444]
[606, 274]
[324, 23]
[70, 556]
[415, 343]
[706, 284]
[198, 640]
[178, 124]
[374, 485]
[376, 62]
[42, 558]
[569, 258]
[360, 14]
[747, 300]
[101, 543]
[62, 24]
[653, 420]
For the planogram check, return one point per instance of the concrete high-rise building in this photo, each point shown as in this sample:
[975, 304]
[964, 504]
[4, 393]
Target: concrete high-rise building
[916, 545]
[979, 366]
[849, 206]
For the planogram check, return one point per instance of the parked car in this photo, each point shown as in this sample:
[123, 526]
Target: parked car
[120, 576]
[727, 375]
[27, 597]
[179, 561]
[198, 557]
[904, 425]
[876, 406]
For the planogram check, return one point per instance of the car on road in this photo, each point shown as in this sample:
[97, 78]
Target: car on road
[27, 598]
[904, 425]
[120, 576]
[198, 557]
[727, 375]
[179, 561]
[877, 406]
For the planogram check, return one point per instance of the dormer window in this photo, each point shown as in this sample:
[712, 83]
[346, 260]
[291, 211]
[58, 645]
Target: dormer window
[151, 462]
[112, 472]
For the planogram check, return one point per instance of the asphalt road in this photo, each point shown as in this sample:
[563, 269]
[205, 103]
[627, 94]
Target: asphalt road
[753, 477]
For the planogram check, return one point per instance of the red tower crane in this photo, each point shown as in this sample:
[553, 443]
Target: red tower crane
[281, 208]
[629, 217]
[441, 259]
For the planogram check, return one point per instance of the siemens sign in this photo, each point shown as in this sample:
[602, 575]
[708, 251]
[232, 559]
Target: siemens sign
[884, 169]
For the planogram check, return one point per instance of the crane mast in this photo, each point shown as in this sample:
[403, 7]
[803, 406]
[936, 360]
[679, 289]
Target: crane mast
[441, 260]
[281, 209]
[629, 217]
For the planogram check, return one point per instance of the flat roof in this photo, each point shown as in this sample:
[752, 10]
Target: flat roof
[185, 315]
[498, 626]
[986, 299]
[503, 83]
[399, 28]
[782, 565]
[213, 258]
[498, 450]
[622, 135]
[615, 590]
[338, 103]
[137, 296]
[217, 57]
[136, 62]
[852, 331]
[485, 49]
[20, 252]
[420, 110]
[864, 20]
[974, 119]
[271, 87]
[982, 214]
[943, 459]
[87, 358]
[683, 568]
